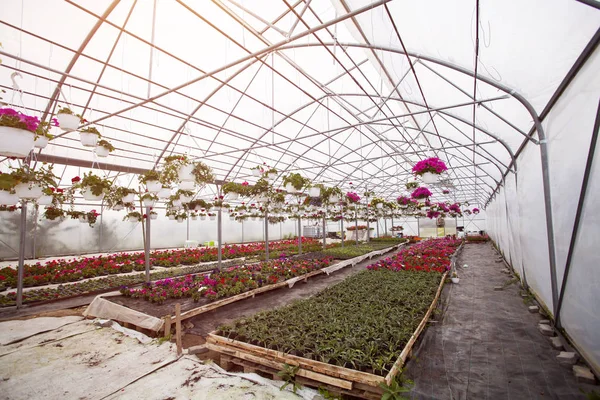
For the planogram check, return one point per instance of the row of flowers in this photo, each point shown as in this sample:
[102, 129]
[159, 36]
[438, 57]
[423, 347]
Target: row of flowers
[430, 255]
[226, 283]
[62, 271]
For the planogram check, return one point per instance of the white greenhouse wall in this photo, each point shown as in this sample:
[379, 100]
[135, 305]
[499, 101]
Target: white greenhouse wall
[521, 233]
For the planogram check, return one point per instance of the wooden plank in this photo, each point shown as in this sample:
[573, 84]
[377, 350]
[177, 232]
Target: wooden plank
[278, 366]
[407, 349]
[178, 329]
[167, 326]
[317, 366]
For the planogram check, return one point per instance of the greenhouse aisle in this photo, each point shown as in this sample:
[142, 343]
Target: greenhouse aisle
[488, 346]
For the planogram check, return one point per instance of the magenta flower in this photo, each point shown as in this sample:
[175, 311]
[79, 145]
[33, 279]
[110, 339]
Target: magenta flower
[420, 193]
[403, 200]
[433, 165]
[353, 197]
[476, 210]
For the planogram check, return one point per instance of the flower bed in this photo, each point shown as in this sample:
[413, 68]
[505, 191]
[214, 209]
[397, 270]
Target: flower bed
[96, 286]
[226, 283]
[351, 250]
[339, 326]
[430, 255]
[62, 271]
[477, 239]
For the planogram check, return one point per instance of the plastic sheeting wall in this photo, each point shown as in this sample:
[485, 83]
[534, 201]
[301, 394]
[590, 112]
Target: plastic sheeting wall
[517, 220]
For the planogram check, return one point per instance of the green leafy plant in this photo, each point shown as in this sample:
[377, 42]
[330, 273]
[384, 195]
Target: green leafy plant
[261, 187]
[412, 185]
[133, 214]
[288, 374]
[94, 183]
[91, 129]
[42, 176]
[43, 130]
[106, 144]
[150, 175]
[296, 180]
[53, 213]
[396, 389]
[203, 173]
[232, 187]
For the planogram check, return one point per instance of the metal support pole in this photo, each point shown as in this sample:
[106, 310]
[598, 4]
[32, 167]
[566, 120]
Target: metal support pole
[101, 228]
[356, 223]
[299, 234]
[187, 222]
[580, 204]
[418, 227]
[377, 225]
[147, 245]
[324, 232]
[242, 231]
[368, 224]
[342, 226]
[219, 232]
[35, 224]
[392, 224]
[385, 226]
[266, 234]
[21, 267]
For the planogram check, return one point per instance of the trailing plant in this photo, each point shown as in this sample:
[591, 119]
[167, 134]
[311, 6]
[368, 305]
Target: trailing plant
[149, 196]
[150, 175]
[53, 213]
[232, 187]
[296, 180]
[352, 197]
[202, 173]
[261, 187]
[170, 173]
[43, 129]
[106, 144]
[91, 129]
[133, 214]
[420, 193]
[412, 185]
[94, 183]
[288, 375]
[116, 194]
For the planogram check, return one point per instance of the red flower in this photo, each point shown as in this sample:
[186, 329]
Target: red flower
[75, 180]
[60, 190]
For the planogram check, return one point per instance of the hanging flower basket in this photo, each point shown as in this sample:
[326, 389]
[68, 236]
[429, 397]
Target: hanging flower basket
[67, 119]
[8, 198]
[164, 193]
[153, 215]
[421, 194]
[45, 200]
[194, 217]
[290, 188]
[118, 207]
[15, 142]
[171, 217]
[89, 136]
[149, 200]
[233, 196]
[180, 219]
[89, 196]
[128, 198]
[212, 217]
[82, 219]
[41, 142]
[334, 198]
[430, 169]
[187, 185]
[28, 191]
[314, 191]
[102, 151]
[202, 217]
[154, 186]
[185, 173]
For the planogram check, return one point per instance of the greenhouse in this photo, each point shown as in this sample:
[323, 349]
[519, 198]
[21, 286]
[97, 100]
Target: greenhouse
[299, 199]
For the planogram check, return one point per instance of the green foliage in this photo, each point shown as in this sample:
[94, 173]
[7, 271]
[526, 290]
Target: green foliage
[327, 395]
[297, 180]
[339, 325]
[94, 183]
[150, 175]
[107, 145]
[43, 129]
[412, 185]
[202, 173]
[396, 389]
[288, 374]
[91, 129]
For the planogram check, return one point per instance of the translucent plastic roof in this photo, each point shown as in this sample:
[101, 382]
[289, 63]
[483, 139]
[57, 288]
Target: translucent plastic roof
[341, 90]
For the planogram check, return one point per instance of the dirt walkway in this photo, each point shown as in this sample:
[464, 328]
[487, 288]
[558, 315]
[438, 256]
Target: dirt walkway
[488, 346]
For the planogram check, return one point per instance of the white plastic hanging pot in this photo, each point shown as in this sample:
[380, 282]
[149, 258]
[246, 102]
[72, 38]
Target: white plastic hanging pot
[290, 188]
[41, 142]
[256, 172]
[185, 173]
[88, 139]
[213, 217]
[154, 186]
[171, 217]
[334, 198]
[133, 219]
[185, 198]
[28, 191]
[44, 200]
[177, 203]
[82, 219]
[149, 202]
[203, 218]
[118, 207]
[68, 122]
[380, 205]
[128, 198]
[429, 177]
[233, 196]
[89, 196]
[216, 209]
[179, 219]
[314, 192]
[163, 193]
[455, 280]
[153, 216]
[187, 185]
[8, 199]
[194, 217]
[232, 217]
[102, 151]
[272, 175]
[15, 142]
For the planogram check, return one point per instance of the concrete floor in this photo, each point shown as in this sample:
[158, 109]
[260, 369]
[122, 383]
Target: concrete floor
[487, 345]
